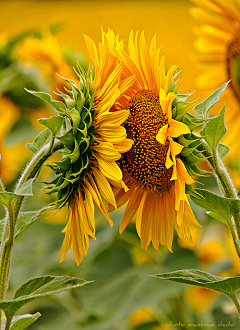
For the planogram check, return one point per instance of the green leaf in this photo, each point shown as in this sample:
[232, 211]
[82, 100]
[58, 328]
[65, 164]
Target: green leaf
[7, 197]
[39, 287]
[21, 322]
[24, 221]
[42, 139]
[58, 105]
[222, 208]
[216, 216]
[214, 130]
[53, 123]
[226, 285]
[202, 109]
[222, 150]
[25, 189]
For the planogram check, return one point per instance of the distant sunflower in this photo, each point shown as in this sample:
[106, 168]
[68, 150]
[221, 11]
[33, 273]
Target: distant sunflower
[153, 169]
[218, 46]
[93, 142]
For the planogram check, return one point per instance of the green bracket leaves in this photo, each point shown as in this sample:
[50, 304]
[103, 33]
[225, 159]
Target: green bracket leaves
[6, 198]
[39, 287]
[24, 221]
[225, 285]
[220, 208]
[21, 322]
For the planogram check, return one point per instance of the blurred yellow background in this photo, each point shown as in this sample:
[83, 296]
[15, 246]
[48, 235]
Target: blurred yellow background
[168, 18]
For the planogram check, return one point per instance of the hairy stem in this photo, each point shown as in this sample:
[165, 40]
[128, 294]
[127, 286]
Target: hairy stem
[31, 171]
[236, 303]
[226, 186]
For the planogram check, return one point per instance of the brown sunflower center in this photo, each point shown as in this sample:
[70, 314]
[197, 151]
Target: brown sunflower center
[233, 65]
[145, 161]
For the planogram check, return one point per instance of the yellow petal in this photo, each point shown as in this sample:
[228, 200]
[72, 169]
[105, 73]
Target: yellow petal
[106, 150]
[111, 81]
[174, 172]
[110, 169]
[131, 209]
[177, 128]
[183, 172]
[169, 214]
[112, 118]
[139, 213]
[124, 146]
[83, 215]
[92, 50]
[146, 223]
[189, 216]
[104, 187]
[175, 147]
[169, 162]
[161, 136]
[112, 133]
[97, 198]
[89, 206]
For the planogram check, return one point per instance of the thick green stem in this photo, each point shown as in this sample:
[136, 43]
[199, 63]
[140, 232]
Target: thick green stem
[6, 254]
[31, 171]
[226, 185]
[236, 303]
[1, 186]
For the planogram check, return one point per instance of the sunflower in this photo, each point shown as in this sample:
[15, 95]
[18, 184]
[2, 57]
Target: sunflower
[93, 142]
[154, 168]
[218, 47]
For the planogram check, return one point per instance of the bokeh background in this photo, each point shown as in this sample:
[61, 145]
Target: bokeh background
[37, 40]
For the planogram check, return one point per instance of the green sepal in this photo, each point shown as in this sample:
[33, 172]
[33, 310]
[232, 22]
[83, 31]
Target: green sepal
[67, 139]
[193, 159]
[80, 102]
[194, 170]
[74, 156]
[82, 166]
[67, 99]
[202, 109]
[187, 139]
[192, 121]
[187, 151]
[83, 132]
[182, 105]
[75, 117]
[63, 164]
[84, 145]
[58, 105]
[53, 123]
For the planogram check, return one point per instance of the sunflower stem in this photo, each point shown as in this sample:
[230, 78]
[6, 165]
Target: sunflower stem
[32, 171]
[226, 186]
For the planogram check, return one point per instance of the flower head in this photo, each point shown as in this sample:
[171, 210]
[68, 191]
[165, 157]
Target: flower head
[154, 169]
[218, 47]
[93, 141]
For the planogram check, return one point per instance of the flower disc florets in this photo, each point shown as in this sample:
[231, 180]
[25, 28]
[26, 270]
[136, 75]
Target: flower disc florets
[145, 161]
